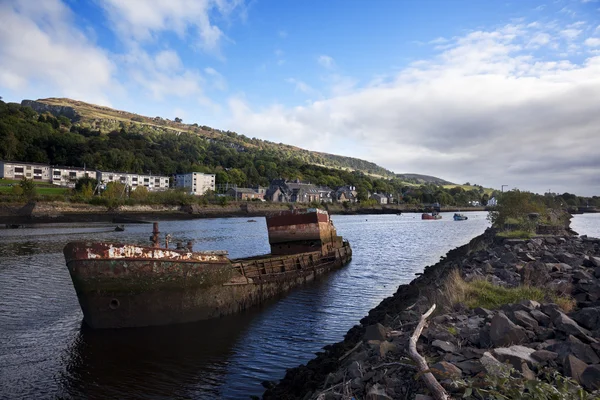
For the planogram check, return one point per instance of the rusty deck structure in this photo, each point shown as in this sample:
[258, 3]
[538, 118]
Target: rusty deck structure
[124, 285]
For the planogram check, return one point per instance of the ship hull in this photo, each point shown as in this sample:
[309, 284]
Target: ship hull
[122, 286]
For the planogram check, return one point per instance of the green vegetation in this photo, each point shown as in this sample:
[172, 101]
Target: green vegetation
[518, 234]
[507, 383]
[482, 293]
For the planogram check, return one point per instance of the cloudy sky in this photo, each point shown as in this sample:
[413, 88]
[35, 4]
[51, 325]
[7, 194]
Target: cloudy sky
[490, 92]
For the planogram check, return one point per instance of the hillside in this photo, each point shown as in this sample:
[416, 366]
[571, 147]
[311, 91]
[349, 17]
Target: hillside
[105, 119]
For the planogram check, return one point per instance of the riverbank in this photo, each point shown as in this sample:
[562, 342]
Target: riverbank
[534, 304]
[58, 212]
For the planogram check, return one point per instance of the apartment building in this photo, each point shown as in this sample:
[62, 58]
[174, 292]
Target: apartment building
[19, 170]
[151, 182]
[196, 183]
[68, 176]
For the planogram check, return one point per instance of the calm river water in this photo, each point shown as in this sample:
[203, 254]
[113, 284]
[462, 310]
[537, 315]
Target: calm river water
[46, 352]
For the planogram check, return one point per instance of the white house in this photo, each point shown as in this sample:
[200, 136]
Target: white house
[197, 183]
[492, 202]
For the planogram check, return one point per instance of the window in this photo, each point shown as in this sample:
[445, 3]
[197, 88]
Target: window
[56, 173]
[72, 174]
[37, 171]
[146, 180]
[28, 168]
[18, 170]
[134, 179]
[157, 180]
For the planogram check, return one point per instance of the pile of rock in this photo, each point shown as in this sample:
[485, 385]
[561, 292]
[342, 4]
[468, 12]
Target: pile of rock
[462, 344]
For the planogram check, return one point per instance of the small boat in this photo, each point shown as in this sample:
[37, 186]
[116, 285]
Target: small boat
[120, 228]
[433, 215]
[460, 217]
[12, 226]
[122, 285]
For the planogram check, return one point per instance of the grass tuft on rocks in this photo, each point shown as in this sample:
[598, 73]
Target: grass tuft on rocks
[482, 293]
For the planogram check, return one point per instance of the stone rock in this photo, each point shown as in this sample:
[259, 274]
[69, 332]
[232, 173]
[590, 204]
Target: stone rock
[590, 378]
[588, 317]
[594, 261]
[525, 320]
[567, 325]
[445, 370]
[504, 332]
[550, 240]
[377, 392]
[515, 355]
[355, 370]
[535, 273]
[484, 312]
[357, 384]
[445, 346]
[527, 372]
[423, 397]
[540, 317]
[386, 347]
[544, 355]
[582, 351]
[582, 275]
[550, 309]
[574, 367]
[530, 304]
[375, 332]
[492, 365]
[470, 367]
[333, 378]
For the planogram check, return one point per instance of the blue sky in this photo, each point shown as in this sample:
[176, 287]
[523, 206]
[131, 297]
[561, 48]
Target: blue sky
[491, 92]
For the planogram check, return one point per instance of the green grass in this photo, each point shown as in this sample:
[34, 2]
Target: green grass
[481, 293]
[518, 234]
[41, 190]
[485, 294]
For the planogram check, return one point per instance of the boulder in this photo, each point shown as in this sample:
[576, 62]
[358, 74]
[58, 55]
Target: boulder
[355, 370]
[484, 312]
[516, 355]
[588, 317]
[445, 370]
[590, 378]
[544, 355]
[375, 332]
[540, 317]
[565, 324]
[525, 320]
[377, 392]
[535, 273]
[574, 367]
[444, 346]
[470, 367]
[504, 332]
[493, 366]
[387, 347]
[582, 351]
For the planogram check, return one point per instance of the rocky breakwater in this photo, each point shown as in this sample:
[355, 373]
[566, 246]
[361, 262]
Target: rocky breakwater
[515, 318]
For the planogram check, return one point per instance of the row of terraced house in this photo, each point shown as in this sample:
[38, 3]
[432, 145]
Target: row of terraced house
[284, 191]
[197, 183]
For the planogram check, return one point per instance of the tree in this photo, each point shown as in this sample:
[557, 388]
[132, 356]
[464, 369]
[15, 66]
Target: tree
[28, 188]
[178, 120]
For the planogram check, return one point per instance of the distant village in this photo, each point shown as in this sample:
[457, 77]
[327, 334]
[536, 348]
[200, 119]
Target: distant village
[196, 183]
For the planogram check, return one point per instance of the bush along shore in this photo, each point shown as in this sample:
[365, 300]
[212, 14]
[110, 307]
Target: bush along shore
[512, 319]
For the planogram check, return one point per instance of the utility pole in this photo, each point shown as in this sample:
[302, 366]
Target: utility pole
[503, 188]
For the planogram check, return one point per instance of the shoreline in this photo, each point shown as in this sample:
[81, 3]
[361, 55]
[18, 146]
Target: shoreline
[62, 212]
[372, 360]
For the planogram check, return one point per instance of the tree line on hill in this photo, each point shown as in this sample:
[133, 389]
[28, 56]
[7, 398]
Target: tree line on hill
[30, 137]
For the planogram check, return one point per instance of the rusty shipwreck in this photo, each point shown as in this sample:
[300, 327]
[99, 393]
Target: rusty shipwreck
[126, 285]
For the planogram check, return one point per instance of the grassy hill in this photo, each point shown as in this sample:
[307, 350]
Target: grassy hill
[105, 119]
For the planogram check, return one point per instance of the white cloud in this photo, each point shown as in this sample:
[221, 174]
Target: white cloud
[541, 39]
[42, 52]
[301, 86]
[282, 34]
[218, 80]
[438, 40]
[484, 111]
[143, 20]
[592, 42]
[326, 61]
[570, 34]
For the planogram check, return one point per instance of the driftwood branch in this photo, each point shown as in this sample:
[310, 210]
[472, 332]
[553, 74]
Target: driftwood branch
[438, 392]
[350, 351]
[395, 364]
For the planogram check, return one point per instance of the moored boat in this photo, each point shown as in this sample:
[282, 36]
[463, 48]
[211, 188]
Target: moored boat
[460, 217]
[433, 215]
[126, 285]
